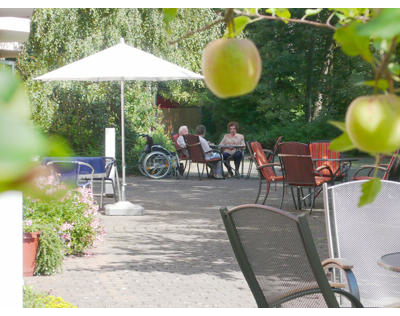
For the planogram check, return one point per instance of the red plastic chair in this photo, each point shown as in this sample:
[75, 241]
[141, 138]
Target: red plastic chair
[320, 150]
[299, 171]
[265, 169]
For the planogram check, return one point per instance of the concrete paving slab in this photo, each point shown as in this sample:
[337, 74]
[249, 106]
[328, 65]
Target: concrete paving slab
[176, 254]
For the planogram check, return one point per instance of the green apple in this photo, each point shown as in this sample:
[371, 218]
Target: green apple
[373, 123]
[231, 67]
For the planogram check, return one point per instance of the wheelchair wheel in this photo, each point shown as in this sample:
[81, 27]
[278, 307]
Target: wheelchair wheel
[157, 165]
[141, 164]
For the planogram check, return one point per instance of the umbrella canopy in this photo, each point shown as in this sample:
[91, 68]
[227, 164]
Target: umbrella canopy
[119, 63]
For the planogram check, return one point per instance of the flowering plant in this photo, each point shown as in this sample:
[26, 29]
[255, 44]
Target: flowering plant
[35, 299]
[70, 219]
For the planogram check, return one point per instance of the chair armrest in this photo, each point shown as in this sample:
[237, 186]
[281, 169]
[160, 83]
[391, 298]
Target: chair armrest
[272, 164]
[331, 174]
[268, 153]
[342, 264]
[307, 290]
[366, 167]
[394, 305]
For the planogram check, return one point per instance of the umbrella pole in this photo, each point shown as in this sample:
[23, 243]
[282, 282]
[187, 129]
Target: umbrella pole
[123, 141]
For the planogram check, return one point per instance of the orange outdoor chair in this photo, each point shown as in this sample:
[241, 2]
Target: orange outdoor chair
[320, 150]
[196, 153]
[299, 171]
[269, 153]
[391, 170]
[265, 169]
[182, 153]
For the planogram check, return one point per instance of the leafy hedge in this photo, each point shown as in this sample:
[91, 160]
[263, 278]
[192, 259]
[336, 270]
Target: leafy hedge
[80, 111]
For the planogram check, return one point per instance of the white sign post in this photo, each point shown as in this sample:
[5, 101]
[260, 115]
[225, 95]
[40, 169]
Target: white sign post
[110, 152]
[11, 248]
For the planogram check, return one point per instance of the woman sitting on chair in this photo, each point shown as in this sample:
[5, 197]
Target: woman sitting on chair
[232, 139]
[216, 166]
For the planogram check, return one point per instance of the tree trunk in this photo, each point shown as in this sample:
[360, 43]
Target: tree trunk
[326, 69]
[308, 97]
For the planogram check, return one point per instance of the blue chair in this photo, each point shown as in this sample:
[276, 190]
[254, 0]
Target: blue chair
[70, 172]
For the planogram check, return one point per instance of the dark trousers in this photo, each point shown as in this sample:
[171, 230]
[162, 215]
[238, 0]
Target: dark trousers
[237, 158]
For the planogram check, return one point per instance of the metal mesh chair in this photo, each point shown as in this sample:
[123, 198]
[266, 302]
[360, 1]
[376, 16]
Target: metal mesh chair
[278, 258]
[363, 235]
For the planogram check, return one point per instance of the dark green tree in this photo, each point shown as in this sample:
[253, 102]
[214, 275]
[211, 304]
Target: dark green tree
[306, 79]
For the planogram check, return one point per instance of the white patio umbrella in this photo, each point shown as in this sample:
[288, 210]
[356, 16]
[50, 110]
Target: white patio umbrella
[119, 63]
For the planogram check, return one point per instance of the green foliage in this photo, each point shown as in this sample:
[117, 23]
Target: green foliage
[80, 111]
[356, 29]
[34, 299]
[305, 77]
[50, 252]
[239, 23]
[353, 44]
[385, 25]
[20, 141]
[370, 190]
[68, 224]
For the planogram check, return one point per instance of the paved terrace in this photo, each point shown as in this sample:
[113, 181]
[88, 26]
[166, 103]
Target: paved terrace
[176, 255]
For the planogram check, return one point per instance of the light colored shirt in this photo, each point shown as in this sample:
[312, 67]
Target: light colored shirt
[181, 141]
[237, 140]
[204, 144]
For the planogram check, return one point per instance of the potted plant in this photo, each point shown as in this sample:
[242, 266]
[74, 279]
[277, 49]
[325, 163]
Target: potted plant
[68, 222]
[43, 250]
[30, 245]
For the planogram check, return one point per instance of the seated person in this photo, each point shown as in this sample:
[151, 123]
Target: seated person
[183, 130]
[216, 166]
[234, 139]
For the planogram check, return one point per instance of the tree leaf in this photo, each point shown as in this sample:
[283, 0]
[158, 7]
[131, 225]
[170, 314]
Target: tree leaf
[240, 23]
[370, 190]
[280, 12]
[169, 15]
[341, 143]
[251, 11]
[310, 12]
[381, 84]
[394, 68]
[339, 125]
[385, 25]
[352, 43]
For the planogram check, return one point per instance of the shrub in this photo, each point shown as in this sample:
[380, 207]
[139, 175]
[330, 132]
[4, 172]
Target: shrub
[68, 222]
[297, 131]
[33, 299]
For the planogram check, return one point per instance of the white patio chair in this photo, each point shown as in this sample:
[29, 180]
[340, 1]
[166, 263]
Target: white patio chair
[361, 236]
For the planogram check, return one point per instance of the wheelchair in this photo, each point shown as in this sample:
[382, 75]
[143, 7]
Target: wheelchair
[156, 162]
